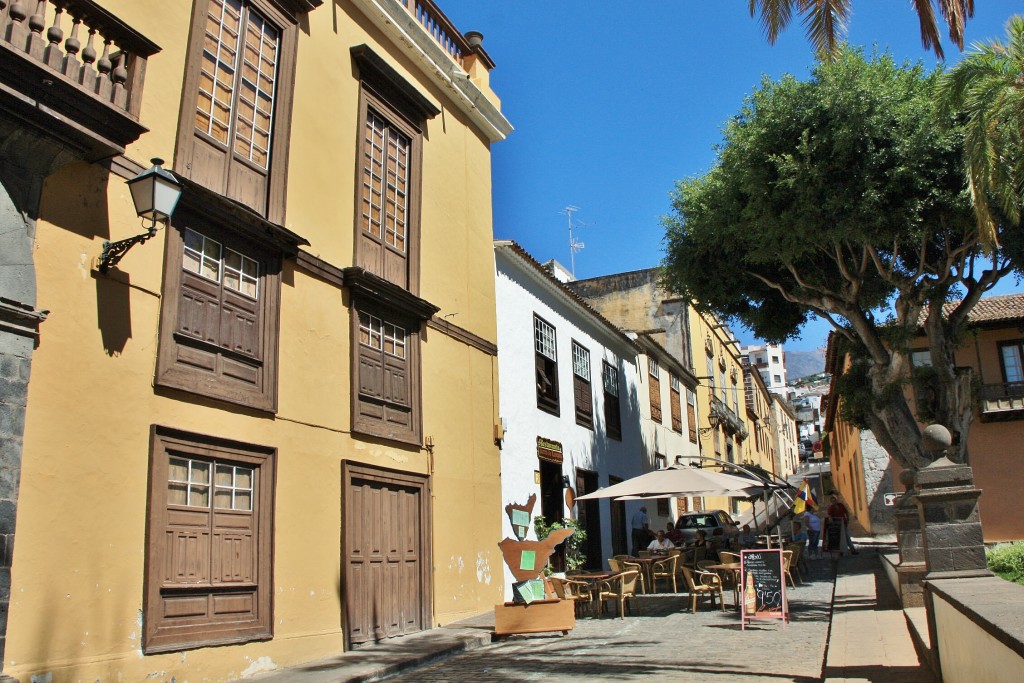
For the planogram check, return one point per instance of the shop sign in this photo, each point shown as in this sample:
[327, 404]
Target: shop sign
[549, 450]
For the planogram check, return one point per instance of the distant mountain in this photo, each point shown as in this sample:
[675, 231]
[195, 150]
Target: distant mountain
[804, 363]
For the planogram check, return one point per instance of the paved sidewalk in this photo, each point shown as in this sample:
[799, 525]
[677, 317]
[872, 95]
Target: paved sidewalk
[866, 639]
[870, 640]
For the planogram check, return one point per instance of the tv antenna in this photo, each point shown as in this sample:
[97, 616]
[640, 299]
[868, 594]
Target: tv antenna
[574, 244]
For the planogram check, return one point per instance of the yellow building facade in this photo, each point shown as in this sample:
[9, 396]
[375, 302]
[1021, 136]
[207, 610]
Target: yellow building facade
[268, 432]
[721, 402]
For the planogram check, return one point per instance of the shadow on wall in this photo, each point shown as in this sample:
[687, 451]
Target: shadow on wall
[114, 311]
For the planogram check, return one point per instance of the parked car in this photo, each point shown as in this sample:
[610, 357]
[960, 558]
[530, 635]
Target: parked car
[717, 524]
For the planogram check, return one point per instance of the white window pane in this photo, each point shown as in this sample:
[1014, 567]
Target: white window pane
[200, 473]
[177, 494]
[222, 499]
[177, 470]
[199, 496]
[1012, 363]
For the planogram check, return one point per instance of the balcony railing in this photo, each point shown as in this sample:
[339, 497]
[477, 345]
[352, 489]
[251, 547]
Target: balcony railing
[76, 58]
[438, 26]
[723, 415]
[1001, 401]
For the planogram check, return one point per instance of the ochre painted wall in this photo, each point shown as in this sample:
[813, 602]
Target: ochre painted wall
[76, 604]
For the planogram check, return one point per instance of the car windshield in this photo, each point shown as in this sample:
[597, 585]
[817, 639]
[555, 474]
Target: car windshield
[696, 522]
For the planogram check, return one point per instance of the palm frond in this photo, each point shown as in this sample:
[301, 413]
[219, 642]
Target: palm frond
[929, 28]
[825, 23]
[775, 16]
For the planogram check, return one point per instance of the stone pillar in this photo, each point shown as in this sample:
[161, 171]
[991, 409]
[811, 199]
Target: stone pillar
[954, 548]
[947, 502]
[911, 568]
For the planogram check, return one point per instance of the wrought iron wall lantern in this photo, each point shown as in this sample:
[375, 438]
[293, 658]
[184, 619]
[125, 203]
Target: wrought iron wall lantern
[714, 420]
[155, 193]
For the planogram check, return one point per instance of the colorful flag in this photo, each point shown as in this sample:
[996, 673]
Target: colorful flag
[804, 498]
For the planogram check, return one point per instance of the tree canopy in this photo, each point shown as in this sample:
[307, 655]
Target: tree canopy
[843, 195]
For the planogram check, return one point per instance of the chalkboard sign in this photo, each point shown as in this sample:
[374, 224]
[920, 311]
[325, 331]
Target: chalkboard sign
[763, 585]
[834, 541]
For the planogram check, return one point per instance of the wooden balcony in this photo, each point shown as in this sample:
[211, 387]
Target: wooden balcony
[723, 415]
[70, 70]
[1002, 401]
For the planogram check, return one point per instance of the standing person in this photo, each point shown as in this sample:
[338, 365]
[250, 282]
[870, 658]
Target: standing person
[813, 523]
[837, 510]
[641, 524]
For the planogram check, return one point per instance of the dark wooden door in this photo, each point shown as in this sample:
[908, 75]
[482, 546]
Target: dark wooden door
[386, 554]
[589, 514]
[620, 541]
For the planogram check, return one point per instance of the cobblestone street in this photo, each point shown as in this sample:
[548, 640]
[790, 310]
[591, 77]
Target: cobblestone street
[663, 641]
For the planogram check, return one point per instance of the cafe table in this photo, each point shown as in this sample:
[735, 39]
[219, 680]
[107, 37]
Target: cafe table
[647, 567]
[735, 568]
[594, 579]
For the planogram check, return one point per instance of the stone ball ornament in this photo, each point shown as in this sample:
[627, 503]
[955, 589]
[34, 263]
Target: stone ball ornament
[936, 438]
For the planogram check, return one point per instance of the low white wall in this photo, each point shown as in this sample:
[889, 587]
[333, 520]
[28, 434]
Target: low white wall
[978, 629]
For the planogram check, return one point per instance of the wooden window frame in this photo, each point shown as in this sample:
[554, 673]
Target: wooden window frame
[691, 414]
[675, 403]
[189, 633]
[612, 413]
[272, 203]
[1019, 344]
[174, 370]
[654, 381]
[546, 369]
[391, 98]
[583, 397]
[362, 423]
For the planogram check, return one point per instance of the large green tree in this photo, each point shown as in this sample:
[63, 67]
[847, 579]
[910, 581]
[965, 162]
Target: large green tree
[843, 196]
[986, 91]
[825, 20]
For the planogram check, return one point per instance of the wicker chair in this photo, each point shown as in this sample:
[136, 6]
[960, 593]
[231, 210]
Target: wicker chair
[577, 591]
[620, 588]
[710, 585]
[798, 558]
[787, 562]
[664, 569]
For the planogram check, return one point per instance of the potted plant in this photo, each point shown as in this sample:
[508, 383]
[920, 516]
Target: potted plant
[575, 558]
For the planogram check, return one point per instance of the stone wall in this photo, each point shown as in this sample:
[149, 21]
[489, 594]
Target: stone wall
[878, 480]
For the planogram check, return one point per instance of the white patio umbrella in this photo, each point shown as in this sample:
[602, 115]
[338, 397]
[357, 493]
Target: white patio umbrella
[676, 480]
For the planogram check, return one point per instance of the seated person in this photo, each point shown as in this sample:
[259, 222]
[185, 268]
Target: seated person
[674, 535]
[660, 544]
[799, 535]
[747, 538]
[711, 553]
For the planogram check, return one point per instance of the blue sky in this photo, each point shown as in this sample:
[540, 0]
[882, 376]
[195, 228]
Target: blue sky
[615, 101]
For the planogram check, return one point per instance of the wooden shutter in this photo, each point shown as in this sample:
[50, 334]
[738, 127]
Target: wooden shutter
[584, 401]
[655, 395]
[222, 319]
[371, 382]
[677, 414]
[612, 419]
[386, 395]
[691, 421]
[396, 391]
[547, 383]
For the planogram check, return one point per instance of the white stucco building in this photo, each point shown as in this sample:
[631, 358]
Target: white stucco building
[668, 420]
[770, 361]
[568, 400]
